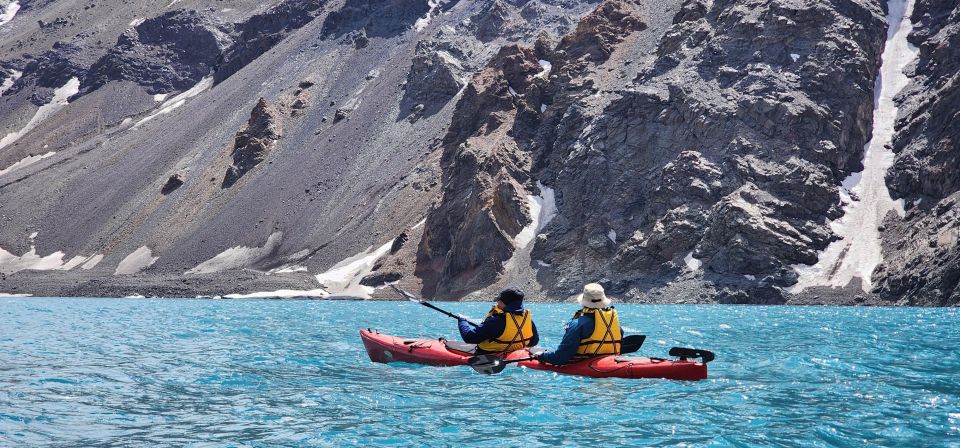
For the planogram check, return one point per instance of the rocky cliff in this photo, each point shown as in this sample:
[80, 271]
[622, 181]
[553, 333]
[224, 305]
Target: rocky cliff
[676, 151]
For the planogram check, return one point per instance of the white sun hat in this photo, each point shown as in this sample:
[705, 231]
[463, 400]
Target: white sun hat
[593, 297]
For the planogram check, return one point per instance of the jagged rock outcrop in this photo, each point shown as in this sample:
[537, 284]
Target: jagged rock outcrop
[471, 233]
[921, 263]
[491, 21]
[253, 143]
[438, 72]
[167, 53]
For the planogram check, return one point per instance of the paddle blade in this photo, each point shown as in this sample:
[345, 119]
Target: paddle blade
[684, 353]
[632, 343]
[487, 364]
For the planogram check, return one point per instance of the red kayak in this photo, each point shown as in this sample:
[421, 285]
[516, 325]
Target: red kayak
[440, 352]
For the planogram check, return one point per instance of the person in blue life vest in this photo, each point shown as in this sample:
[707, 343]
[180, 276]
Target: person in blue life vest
[507, 327]
[593, 331]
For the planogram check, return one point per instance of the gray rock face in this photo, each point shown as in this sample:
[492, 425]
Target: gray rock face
[253, 143]
[921, 257]
[375, 18]
[167, 53]
[437, 74]
[262, 31]
[471, 233]
[692, 149]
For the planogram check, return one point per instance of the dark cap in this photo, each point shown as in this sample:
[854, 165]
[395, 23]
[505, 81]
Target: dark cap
[510, 295]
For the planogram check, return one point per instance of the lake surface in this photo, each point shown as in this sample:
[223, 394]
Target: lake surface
[145, 372]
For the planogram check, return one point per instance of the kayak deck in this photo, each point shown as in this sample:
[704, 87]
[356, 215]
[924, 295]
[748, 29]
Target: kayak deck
[438, 352]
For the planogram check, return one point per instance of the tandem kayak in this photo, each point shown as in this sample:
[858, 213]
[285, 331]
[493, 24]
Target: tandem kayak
[440, 352]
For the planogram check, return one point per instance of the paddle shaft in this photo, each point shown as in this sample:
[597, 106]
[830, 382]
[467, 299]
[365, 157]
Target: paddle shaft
[414, 298]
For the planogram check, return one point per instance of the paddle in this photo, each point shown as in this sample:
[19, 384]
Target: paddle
[493, 364]
[414, 298]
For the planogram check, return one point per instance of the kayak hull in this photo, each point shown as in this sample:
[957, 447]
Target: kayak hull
[432, 352]
[615, 366]
[435, 352]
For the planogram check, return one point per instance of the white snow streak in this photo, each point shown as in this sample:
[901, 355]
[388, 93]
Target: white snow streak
[160, 97]
[25, 162]
[137, 261]
[179, 100]
[344, 277]
[136, 22]
[283, 293]
[12, 77]
[8, 295]
[794, 56]
[543, 209]
[866, 197]
[9, 12]
[59, 100]
[238, 256]
[612, 235]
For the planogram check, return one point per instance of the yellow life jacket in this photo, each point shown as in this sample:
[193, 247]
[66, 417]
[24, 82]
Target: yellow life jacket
[606, 336]
[516, 333]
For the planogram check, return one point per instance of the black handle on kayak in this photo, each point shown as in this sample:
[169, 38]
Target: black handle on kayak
[414, 298]
[684, 353]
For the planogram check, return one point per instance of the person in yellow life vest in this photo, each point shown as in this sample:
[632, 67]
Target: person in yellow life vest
[508, 326]
[593, 331]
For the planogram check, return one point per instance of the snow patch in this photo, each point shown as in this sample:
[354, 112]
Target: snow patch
[10, 263]
[543, 108]
[750, 277]
[160, 97]
[794, 56]
[137, 261]
[59, 100]
[179, 100]
[25, 162]
[9, 12]
[136, 22]
[287, 269]
[693, 264]
[865, 195]
[344, 277]
[238, 256]
[513, 92]
[92, 262]
[542, 263]
[547, 67]
[12, 77]
[612, 235]
[173, 2]
[282, 293]
[543, 209]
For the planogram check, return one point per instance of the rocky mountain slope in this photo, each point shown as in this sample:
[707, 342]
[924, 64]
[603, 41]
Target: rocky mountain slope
[676, 151]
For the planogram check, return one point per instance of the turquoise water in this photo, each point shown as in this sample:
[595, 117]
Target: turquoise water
[92, 372]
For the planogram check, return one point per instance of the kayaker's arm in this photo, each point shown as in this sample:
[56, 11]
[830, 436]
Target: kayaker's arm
[571, 341]
[536, 335]
[490, 328]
